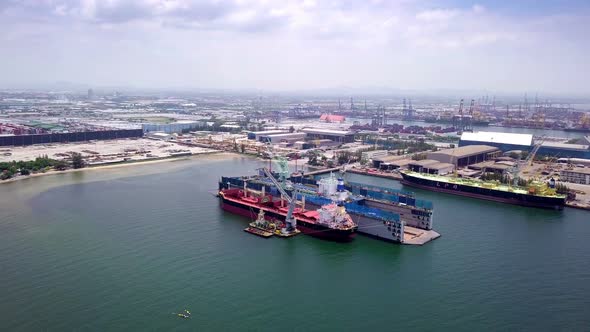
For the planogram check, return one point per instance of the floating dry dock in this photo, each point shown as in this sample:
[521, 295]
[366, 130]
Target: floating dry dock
[381, 213]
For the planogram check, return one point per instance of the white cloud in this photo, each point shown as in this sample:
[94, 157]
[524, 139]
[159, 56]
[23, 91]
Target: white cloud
[287, 43]
[437, 15]
[478, 9]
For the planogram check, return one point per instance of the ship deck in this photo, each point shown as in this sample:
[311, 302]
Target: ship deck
[298, 213]
[478, 184]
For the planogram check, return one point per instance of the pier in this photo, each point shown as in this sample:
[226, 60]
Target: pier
[323, 171]
[379, 174]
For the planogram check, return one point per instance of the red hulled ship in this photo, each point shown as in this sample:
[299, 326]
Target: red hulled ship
[329, 222]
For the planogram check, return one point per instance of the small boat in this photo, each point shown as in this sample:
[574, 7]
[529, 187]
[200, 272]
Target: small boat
[258, 231]
[185, 314]
[261, 226]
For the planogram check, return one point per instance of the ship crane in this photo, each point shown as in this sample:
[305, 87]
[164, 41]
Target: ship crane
[290, 221]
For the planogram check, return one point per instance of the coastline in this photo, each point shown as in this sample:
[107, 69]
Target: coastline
[113, 165]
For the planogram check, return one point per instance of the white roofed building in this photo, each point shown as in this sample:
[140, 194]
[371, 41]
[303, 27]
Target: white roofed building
[524, 142]
[340, 136]
[502, 141]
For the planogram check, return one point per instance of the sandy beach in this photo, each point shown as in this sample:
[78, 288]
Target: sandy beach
[117, 165]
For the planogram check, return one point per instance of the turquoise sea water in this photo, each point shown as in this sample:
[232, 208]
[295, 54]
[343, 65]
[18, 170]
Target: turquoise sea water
[122, 249]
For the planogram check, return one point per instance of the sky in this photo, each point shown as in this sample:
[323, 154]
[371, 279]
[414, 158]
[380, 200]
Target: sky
[497, 46]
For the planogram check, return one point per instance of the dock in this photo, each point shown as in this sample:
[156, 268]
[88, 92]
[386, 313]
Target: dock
[577, 205]
[323, 171]
[379, 174]
[417, 236]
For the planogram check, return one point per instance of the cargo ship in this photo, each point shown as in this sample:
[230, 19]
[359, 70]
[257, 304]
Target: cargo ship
[329, 221]
[578, 129]
[537, 195]
[474, 122]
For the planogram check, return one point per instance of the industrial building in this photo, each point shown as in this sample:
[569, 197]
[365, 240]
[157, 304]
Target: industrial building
[302, 145]
[575, 175]
[465, 155]
[332, 118]
[171, 128]
[499, 167]
[390, 162]
[159, 135]
[574, 161]
[289, 138]
[323, 143]
[230, 126]
[340, 136]
[369, 155]
[431, 166]
[565, 150]
[524, 142]
[19, 140]
[256, 135]
[502, 141]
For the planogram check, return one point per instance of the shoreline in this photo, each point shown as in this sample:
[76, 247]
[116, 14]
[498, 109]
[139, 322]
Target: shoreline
[113, 165]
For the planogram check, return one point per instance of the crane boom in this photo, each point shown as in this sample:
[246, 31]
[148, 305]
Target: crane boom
[290, 221]
[515, 170]
[277, 184]
[531, 156]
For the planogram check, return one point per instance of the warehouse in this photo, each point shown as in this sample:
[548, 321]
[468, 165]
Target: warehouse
[524, 142]
[159, 135]
[257, 134]
[18, 140]
[170, 128]
[431, 166]
[565, 150]
[575, 175]
[502, 141]
[390, 162]
[492, 166]
[575, 161]
[465, 155]
[340, 136]
[370, 155]
[290, 138]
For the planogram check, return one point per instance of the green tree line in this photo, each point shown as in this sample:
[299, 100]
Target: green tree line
[40, 164]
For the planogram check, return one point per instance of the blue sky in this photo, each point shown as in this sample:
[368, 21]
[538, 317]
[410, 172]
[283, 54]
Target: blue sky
[498, 46]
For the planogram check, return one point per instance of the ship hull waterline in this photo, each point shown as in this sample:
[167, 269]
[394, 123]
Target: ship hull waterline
[433, 187]
[306, 228]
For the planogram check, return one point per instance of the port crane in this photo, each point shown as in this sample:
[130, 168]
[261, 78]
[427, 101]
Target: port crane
[290, 221]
